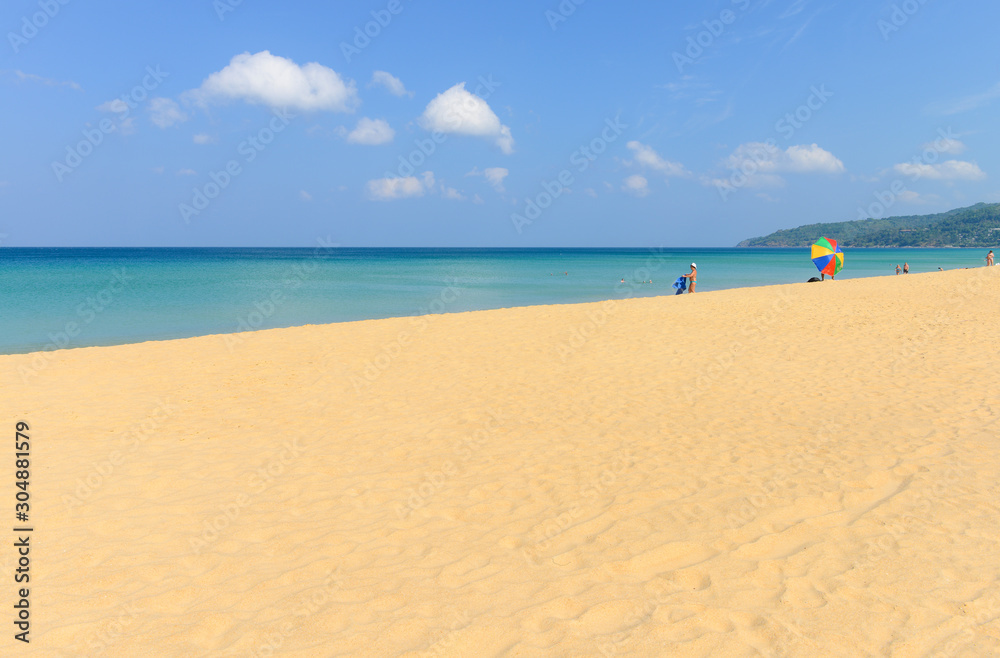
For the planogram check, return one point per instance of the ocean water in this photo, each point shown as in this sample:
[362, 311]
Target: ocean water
[82, 297]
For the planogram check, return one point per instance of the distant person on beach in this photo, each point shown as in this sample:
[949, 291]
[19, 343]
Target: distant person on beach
[906, 268]
[989, 258]
[693, 277]
[940, 269]
[897, 270]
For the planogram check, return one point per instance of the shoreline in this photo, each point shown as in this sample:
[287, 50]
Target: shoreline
[610, 299]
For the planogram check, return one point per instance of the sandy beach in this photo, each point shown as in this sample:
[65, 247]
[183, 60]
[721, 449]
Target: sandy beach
[798, 470]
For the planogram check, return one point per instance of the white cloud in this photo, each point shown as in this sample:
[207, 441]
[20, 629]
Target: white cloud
[393, 84]
[451, 193]
[388, 189]
[117, 105]
[165, 112]
[647, 157]
[637, 185]
[385, 189]
[203, 138]
[494, 176]
[371, 132]
[478, 199]
[48, 82]
[753, 180]
[950, 170]
[811, 158]
[278, 82]
[946, 145]
[126, 123]
[591, 192]
[760, 162]
[754, 157]
[187, 172]
[305, 196]
[460, 112]
[909, 196]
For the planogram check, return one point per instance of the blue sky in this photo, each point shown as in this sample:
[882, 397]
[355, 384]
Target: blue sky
[218, 123]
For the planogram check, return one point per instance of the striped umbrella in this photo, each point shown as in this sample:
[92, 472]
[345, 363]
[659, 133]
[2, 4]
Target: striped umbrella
[827, 256]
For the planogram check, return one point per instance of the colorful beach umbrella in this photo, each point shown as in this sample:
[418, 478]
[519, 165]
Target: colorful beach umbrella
[827, 256]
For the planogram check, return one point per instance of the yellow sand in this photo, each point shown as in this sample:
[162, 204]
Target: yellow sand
[801, 470]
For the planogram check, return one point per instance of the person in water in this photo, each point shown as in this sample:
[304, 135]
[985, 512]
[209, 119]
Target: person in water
[989, 258]
[897, 270]
[906, 268]
[692, 277]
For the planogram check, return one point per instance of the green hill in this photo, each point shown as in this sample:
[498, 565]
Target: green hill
[975, 226]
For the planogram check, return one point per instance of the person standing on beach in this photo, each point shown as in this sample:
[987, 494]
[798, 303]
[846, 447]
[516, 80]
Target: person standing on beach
[897, 269]
[906, 268]
[989, 259]
[693, 276]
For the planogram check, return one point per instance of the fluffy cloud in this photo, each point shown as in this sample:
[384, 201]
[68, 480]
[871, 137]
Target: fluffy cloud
[393, 84]
[371, 132]
[388, 189]
[126, 123]
[493, 175]
[165, 112]
[948, 145]
[756, 158]
[451, 193]
[462, 113]
[647, 157]
[277, 82]
[637, 185]
[203, 138]
[811, 158]
[117, 105]
[950, 170]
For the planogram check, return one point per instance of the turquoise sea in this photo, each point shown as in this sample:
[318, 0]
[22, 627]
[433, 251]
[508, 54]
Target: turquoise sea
[81, 297]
